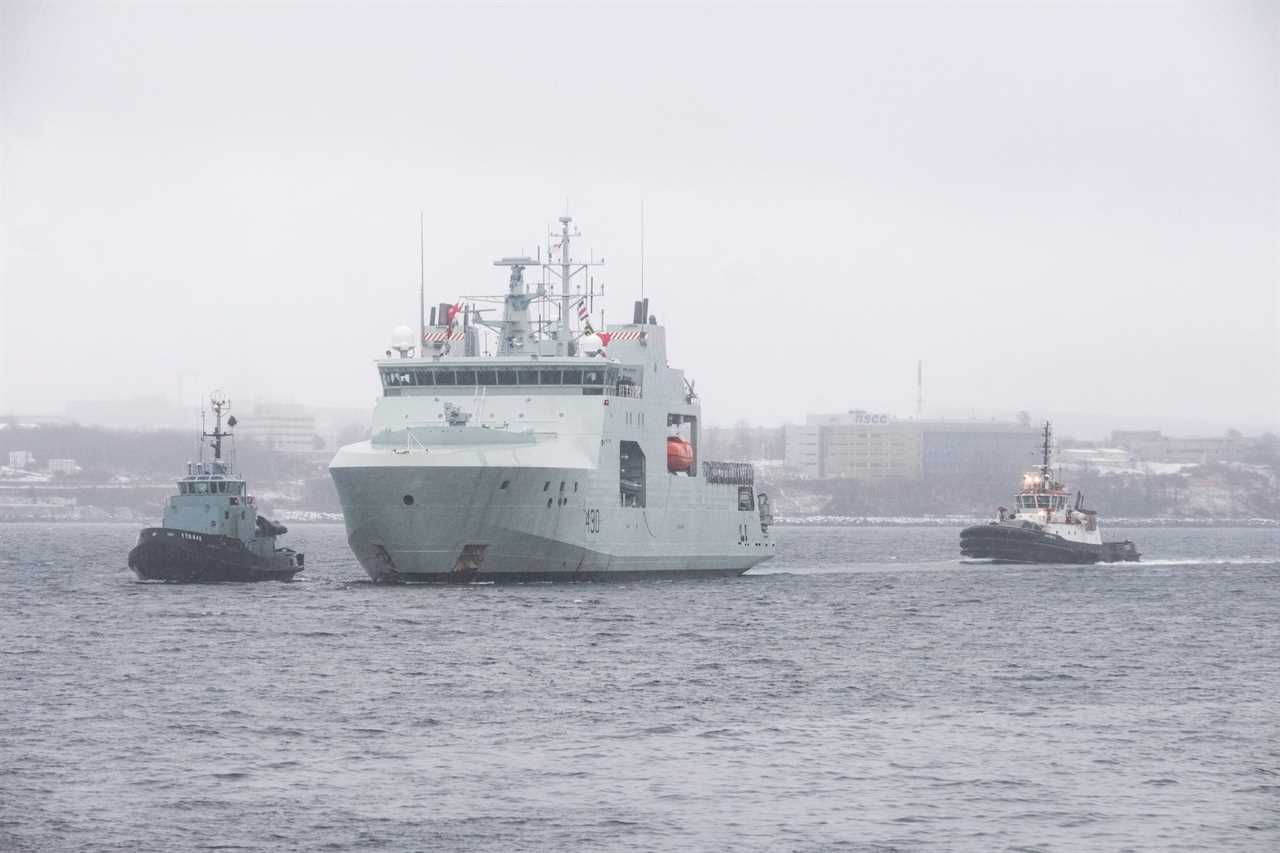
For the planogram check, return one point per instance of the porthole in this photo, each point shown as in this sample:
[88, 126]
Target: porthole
[505, 483]
[408, 500]
[546, 485]
[548, 503]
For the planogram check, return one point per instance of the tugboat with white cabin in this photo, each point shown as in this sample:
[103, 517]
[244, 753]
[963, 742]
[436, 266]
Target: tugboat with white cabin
[521, 448]
[1042, 528]
[211, 530]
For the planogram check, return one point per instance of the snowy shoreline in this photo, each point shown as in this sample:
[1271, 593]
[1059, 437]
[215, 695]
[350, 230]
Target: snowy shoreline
[73, 515]
[965, 521]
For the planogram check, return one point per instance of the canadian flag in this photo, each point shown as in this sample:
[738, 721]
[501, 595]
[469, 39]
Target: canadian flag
[604, 338]
[453, 312]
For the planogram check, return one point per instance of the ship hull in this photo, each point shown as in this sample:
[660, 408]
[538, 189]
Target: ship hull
[182, 556]
[465, 526]
[1003, 543]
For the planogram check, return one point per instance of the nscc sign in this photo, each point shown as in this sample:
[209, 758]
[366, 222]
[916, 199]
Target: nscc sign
[869, 418]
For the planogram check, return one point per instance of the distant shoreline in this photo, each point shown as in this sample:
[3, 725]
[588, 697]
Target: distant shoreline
[306, 517]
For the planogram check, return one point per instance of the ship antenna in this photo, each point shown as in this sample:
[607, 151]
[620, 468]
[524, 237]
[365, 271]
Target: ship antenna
[218, 403]
[565, 275]
[641, 250]
[1044, 467]
[422, 286]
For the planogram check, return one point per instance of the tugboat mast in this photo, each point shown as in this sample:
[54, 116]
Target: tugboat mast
[1044, 466]
[219, 404]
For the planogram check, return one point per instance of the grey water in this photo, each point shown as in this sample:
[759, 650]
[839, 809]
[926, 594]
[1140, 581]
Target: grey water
[863, 691]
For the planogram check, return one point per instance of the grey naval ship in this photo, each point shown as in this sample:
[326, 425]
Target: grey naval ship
[211, 530]
[1043, 527]
[530, 446]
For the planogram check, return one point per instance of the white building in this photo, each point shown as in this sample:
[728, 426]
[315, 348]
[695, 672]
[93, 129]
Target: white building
[21, 459]
[63, 466]
[286, 427]
[860, 445]
[802, 454]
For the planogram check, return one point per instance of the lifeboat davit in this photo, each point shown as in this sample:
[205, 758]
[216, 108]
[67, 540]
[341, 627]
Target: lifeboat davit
[679, 455]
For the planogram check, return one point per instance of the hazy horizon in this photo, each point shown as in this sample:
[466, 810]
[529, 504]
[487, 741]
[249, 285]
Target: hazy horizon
[1065, 210]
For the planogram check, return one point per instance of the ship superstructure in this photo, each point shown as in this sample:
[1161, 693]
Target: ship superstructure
[531, 447]
[211, 529]
[1044, 525]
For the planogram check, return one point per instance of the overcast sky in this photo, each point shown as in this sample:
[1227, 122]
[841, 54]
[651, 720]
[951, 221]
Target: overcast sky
[1065, 209]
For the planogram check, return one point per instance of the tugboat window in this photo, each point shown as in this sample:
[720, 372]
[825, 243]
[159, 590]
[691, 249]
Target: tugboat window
[201, 488]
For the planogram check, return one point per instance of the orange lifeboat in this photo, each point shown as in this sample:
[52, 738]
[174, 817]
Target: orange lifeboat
[679, 455]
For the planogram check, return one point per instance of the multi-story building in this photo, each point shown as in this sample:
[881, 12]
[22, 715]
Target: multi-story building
[21, 459]
[978, 449]
[1154, 446]
[279, 426]
[63, 466]
[864, 445]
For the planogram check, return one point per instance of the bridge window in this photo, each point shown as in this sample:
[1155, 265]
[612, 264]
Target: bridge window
[466, 377]
[507, 376]
[425, 376]
[527, 376]
[550, 376]
[572, 376]
[397, 377]
[445, 377]
[486, 377]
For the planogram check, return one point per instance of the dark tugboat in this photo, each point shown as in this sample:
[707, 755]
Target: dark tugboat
[211, 529]
[1042, 528]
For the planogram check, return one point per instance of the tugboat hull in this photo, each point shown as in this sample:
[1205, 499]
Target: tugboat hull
[1005, 543]
[184, 556]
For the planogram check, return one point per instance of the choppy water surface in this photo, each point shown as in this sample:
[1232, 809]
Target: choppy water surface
[865, 691]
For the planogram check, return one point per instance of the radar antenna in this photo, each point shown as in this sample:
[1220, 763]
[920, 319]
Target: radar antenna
[219, 402]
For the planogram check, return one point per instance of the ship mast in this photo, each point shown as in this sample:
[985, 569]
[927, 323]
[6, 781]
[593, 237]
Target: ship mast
[1044, 465]
[219, 404]
[567, 270]
[562, 339]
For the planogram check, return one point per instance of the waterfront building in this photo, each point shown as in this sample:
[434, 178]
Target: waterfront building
[863, 445]
[286, 427]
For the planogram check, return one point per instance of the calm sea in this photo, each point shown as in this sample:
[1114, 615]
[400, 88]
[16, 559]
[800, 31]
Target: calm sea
[865, 691]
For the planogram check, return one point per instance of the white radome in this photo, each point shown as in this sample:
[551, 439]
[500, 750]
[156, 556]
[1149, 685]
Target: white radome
[402, 337]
